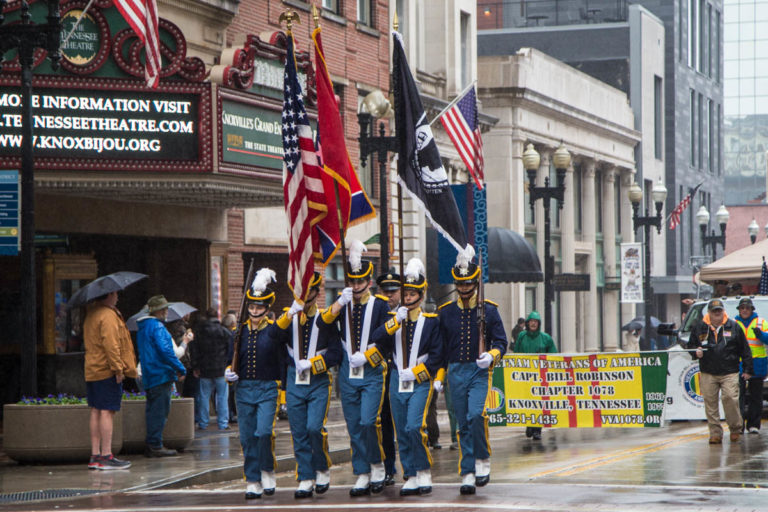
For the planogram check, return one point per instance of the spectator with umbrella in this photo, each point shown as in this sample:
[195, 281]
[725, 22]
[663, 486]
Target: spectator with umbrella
[109, 358]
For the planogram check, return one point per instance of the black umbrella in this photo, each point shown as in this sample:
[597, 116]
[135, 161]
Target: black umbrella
[638, 323]
[176, 311]
[102, 286]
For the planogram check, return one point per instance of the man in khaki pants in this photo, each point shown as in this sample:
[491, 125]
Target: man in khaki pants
[720, 347]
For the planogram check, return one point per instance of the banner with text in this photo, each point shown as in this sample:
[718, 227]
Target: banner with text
[631, 273]
[567, 391]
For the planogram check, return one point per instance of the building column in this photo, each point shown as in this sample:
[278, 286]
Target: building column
[610, 297]
[588, 234]
[627, 233]
[568, 341]
[546, 155]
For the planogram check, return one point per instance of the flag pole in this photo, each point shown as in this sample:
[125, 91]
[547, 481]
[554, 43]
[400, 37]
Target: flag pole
[453, 102]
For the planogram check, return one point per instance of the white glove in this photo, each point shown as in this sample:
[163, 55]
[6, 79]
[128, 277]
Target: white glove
[401, 314]
[296, 308]
[485, 360]
[303, 365]
[438, 386]
[357, 360]
[345, 297]
[230, 376]
[407, 375]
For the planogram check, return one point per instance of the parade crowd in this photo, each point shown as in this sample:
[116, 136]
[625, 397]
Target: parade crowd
[391, 359]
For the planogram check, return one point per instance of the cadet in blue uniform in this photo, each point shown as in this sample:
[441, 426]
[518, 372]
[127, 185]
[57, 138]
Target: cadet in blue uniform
[418, 356]
[259, 363]
[313, 347]
[362, 371]
[469, 370]
[389, 286]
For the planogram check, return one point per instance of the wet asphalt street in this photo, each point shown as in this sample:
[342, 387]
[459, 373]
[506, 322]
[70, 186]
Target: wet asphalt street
[667, 469]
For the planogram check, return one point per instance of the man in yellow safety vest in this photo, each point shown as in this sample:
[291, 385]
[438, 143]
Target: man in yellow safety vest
[756, 331]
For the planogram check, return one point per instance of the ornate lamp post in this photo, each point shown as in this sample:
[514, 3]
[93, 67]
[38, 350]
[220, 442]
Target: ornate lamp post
[531, 161]
[753, 229]
[25, 37]
[659, 194]
[377, 106]
[722, 216]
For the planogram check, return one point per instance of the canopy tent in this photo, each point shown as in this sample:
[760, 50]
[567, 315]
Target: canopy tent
[743, 266]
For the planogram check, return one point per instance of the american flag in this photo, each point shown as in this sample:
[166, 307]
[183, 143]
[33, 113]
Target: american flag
[141, 15]
[460, 123]
[674, 216]
[762, 288]
[302, 182]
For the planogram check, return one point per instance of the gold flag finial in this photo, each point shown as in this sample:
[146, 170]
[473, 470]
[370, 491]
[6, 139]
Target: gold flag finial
[315, 15]
[289, 17]
[395, 22]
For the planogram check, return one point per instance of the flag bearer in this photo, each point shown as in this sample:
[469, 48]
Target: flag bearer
[756, 331]
[418, 357]
[362, 371]
[470, 369]
[259, 363]
[313, 347]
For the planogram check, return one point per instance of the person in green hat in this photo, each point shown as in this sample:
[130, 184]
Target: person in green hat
[534, 341]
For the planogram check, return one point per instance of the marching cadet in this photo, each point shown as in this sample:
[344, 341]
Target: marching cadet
[418, 357]
[313, 347]
[259, 363]
[469, 369]
[362, 371]
[388, 286]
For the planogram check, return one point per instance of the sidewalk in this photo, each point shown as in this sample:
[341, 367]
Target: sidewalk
[213, 456]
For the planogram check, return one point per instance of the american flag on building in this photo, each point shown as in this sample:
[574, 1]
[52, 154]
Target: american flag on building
[674, 216]
[302, 182]
[141, 15]
[762, 288]
[460, 123]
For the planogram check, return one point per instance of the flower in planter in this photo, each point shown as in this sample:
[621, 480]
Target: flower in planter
[127, 395]
[60, 399]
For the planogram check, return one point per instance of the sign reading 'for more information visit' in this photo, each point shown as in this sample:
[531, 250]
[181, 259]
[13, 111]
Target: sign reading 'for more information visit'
[594, 390]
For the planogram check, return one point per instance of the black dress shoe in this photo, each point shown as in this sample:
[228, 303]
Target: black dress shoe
[436, 446]
[425, 490]
[467, 489]
[360, 491]
[150, 451]
[377, 487]
[528, 432]
[537, 436]
[320, 489]
[269, 492]
[252, 496]
[481, 481]
[300, 493]
[409, 492]
[389, 479]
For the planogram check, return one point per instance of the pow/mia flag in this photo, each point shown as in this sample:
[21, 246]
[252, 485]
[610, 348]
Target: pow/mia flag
[419, 168]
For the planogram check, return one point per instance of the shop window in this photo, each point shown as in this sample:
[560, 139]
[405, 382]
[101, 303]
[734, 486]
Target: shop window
[364, 12]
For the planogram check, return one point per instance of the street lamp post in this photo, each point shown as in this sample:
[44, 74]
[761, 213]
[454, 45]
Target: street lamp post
[722, 216]
[753, 229]
[659, 194]
[378, 106]
[531, 161]
[25, 37]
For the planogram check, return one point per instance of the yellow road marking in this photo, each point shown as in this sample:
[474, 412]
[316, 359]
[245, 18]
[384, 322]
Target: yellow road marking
[622, 455]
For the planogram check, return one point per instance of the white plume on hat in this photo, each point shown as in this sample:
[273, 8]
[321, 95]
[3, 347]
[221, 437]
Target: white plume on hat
[463, 258]
[356, 250]
[262, 279]
[414, 269]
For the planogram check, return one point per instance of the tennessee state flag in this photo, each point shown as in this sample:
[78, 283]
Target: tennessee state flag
[354, 205]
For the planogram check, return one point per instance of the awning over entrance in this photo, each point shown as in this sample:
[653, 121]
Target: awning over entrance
[205, 191]
[511, 258]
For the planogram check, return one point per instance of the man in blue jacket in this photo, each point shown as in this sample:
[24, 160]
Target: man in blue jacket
[160, 369]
